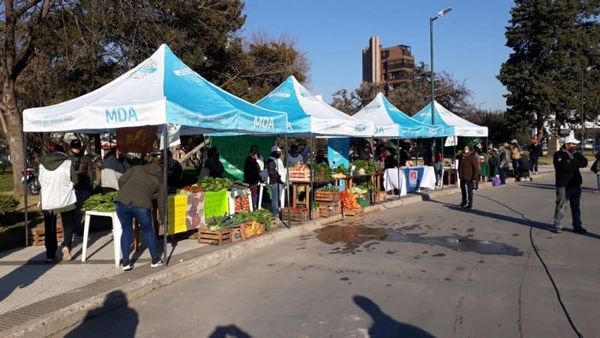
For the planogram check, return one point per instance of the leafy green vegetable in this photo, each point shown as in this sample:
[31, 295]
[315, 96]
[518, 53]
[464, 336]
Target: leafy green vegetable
[100, 202]
[341, 169]
[215, 184]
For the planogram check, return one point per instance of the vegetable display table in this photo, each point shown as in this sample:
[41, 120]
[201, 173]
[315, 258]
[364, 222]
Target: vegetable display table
[117, 230]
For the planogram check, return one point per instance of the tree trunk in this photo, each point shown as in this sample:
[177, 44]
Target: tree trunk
[14, 134]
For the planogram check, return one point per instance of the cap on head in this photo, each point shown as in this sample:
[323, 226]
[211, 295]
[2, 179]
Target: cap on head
[571, 140]
[275, 149]
[75, 144]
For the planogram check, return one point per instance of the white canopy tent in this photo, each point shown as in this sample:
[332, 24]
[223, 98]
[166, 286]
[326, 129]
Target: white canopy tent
[450, 123]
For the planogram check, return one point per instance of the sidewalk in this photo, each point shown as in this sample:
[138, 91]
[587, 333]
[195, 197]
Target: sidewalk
[37, 299]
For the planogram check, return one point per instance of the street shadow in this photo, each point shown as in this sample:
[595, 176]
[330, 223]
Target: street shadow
[229, 331]
[23, 276]
[122, 325]
[547, 186]
[384, 325]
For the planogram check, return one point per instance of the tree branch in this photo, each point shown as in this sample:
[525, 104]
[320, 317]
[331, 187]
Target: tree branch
[26, 7]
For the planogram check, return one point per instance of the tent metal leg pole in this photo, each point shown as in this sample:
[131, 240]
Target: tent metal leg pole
[166, 191]
[312, 164]
[287, 188]
[398, 154]
[25, 189]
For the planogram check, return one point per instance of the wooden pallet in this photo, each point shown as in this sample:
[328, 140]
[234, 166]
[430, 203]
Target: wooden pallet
[215, 237]
[295, 215]
[299, 174]
[327, 196]
[37, 235]
[354, 215]
[329, 209]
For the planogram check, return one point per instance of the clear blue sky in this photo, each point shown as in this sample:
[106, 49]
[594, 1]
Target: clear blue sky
[469, 42]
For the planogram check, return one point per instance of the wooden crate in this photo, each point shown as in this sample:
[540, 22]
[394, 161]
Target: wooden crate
[37, 235]
[329, 209]
[251, 229]
[354, 215]
[301, 174]
[327, 196]
[294, 214]
[379, 196]
[216, 237]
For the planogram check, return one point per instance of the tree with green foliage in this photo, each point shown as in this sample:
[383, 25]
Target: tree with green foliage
[553, 43]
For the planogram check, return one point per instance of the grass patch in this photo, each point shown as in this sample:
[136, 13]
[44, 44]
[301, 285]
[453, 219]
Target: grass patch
[6, 181]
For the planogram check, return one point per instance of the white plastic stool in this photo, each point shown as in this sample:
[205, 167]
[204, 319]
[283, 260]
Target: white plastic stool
[116, 231]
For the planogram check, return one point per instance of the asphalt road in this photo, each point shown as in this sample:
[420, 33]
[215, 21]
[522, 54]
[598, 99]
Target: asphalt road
[428, 269]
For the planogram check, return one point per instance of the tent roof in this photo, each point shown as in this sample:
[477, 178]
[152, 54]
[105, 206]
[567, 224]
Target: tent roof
[451, 124]
[310, 115]
[160, 90]
[392, 122]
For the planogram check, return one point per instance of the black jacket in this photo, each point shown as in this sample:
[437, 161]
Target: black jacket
[251, 171]
[566, 167]
[535, 150]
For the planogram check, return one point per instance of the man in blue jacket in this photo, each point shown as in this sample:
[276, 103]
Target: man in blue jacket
[568, 183]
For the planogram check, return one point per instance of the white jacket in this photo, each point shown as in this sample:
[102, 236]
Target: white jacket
[57, 188]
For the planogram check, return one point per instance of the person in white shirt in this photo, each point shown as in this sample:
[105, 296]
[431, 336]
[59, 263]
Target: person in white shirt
[276, 174]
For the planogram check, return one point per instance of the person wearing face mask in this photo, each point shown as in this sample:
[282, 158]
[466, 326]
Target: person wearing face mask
[468, 171]
[567, 163]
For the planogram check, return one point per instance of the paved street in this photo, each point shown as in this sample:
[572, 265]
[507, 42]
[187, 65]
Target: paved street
[428, 269]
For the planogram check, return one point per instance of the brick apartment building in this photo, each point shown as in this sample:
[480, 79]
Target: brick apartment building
[390, 65]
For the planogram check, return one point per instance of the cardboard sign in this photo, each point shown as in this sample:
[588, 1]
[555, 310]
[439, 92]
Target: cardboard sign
[216, 204]
[136, 139]
[177, 205]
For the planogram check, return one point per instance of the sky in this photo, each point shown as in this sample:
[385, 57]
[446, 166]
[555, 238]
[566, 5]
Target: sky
[469, 42]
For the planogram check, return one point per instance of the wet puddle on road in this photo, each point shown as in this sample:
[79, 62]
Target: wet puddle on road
[353, 236]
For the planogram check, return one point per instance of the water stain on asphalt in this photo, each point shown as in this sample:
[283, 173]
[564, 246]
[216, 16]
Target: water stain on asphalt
[471, 230]
[390, 252]
[439, 255]
[353, 236]
[345, 278]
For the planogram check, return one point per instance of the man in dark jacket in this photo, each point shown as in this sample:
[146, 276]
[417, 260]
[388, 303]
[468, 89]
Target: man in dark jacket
[535, 151]
[468, 171]
[137, 188]
[568, 183]
[83, 166]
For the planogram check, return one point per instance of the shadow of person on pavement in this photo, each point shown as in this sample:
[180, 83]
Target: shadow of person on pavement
[124, 325]
[27, 272]
[384, 325]
[229, 331]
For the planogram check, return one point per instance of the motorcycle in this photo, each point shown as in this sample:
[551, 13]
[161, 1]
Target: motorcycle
[30, 178]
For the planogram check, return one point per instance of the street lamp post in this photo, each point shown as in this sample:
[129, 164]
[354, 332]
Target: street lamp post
[587, 69]
[431, 20]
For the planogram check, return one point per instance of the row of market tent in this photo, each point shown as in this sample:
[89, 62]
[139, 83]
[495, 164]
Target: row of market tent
[162, 91]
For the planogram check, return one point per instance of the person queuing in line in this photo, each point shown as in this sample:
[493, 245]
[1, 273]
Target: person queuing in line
[174, 171]
[134, 200]
[276, 173]
[260, 160]
[293, 156]
[321, 158]
[84, 169]
[535, 151]
[596, 171]
[438, 167]
[503, 162]
[113, 167]
[567, 163]
[57, 196]
[493, 163]
[213, 164]
[515, 156]
[468, 171]
[478, 150]
[252, 175]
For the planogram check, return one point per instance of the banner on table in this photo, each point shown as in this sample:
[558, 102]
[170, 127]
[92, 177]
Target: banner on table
[216, 204]
[177, 206]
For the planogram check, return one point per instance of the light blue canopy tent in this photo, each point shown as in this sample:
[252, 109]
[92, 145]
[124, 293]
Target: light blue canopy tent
[392, 122]
[161, 90]
[308, 114]
[450, 124]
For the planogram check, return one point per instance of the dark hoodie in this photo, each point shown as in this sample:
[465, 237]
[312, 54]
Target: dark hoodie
[139, 184]
[53, 161]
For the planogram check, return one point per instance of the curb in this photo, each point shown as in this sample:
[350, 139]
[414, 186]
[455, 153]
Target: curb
[75, 313]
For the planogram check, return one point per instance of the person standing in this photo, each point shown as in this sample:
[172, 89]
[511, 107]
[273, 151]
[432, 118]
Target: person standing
[113, 167]
[503, 162]
[468, 171]
[83, 166]
[293, 156]
[515, 156]
[134, 200]
[213, 164]
[252, 176]
[276, 173]
[57, 196]
[568, 183]
[535, 151]
[174, 171]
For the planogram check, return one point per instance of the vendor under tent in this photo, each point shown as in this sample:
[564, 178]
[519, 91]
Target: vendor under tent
[309, 115]
[449, 123]
[392, 122]
[161, 90]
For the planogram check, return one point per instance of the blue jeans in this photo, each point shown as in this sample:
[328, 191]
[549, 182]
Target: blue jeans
[573, 195]
[515, 165]
[276, 191]
[534, 164]
[126, 214]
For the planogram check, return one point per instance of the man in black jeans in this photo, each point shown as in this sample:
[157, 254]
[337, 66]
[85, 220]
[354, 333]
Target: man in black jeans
[568, 184]
[468, 171]
[535, 150]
